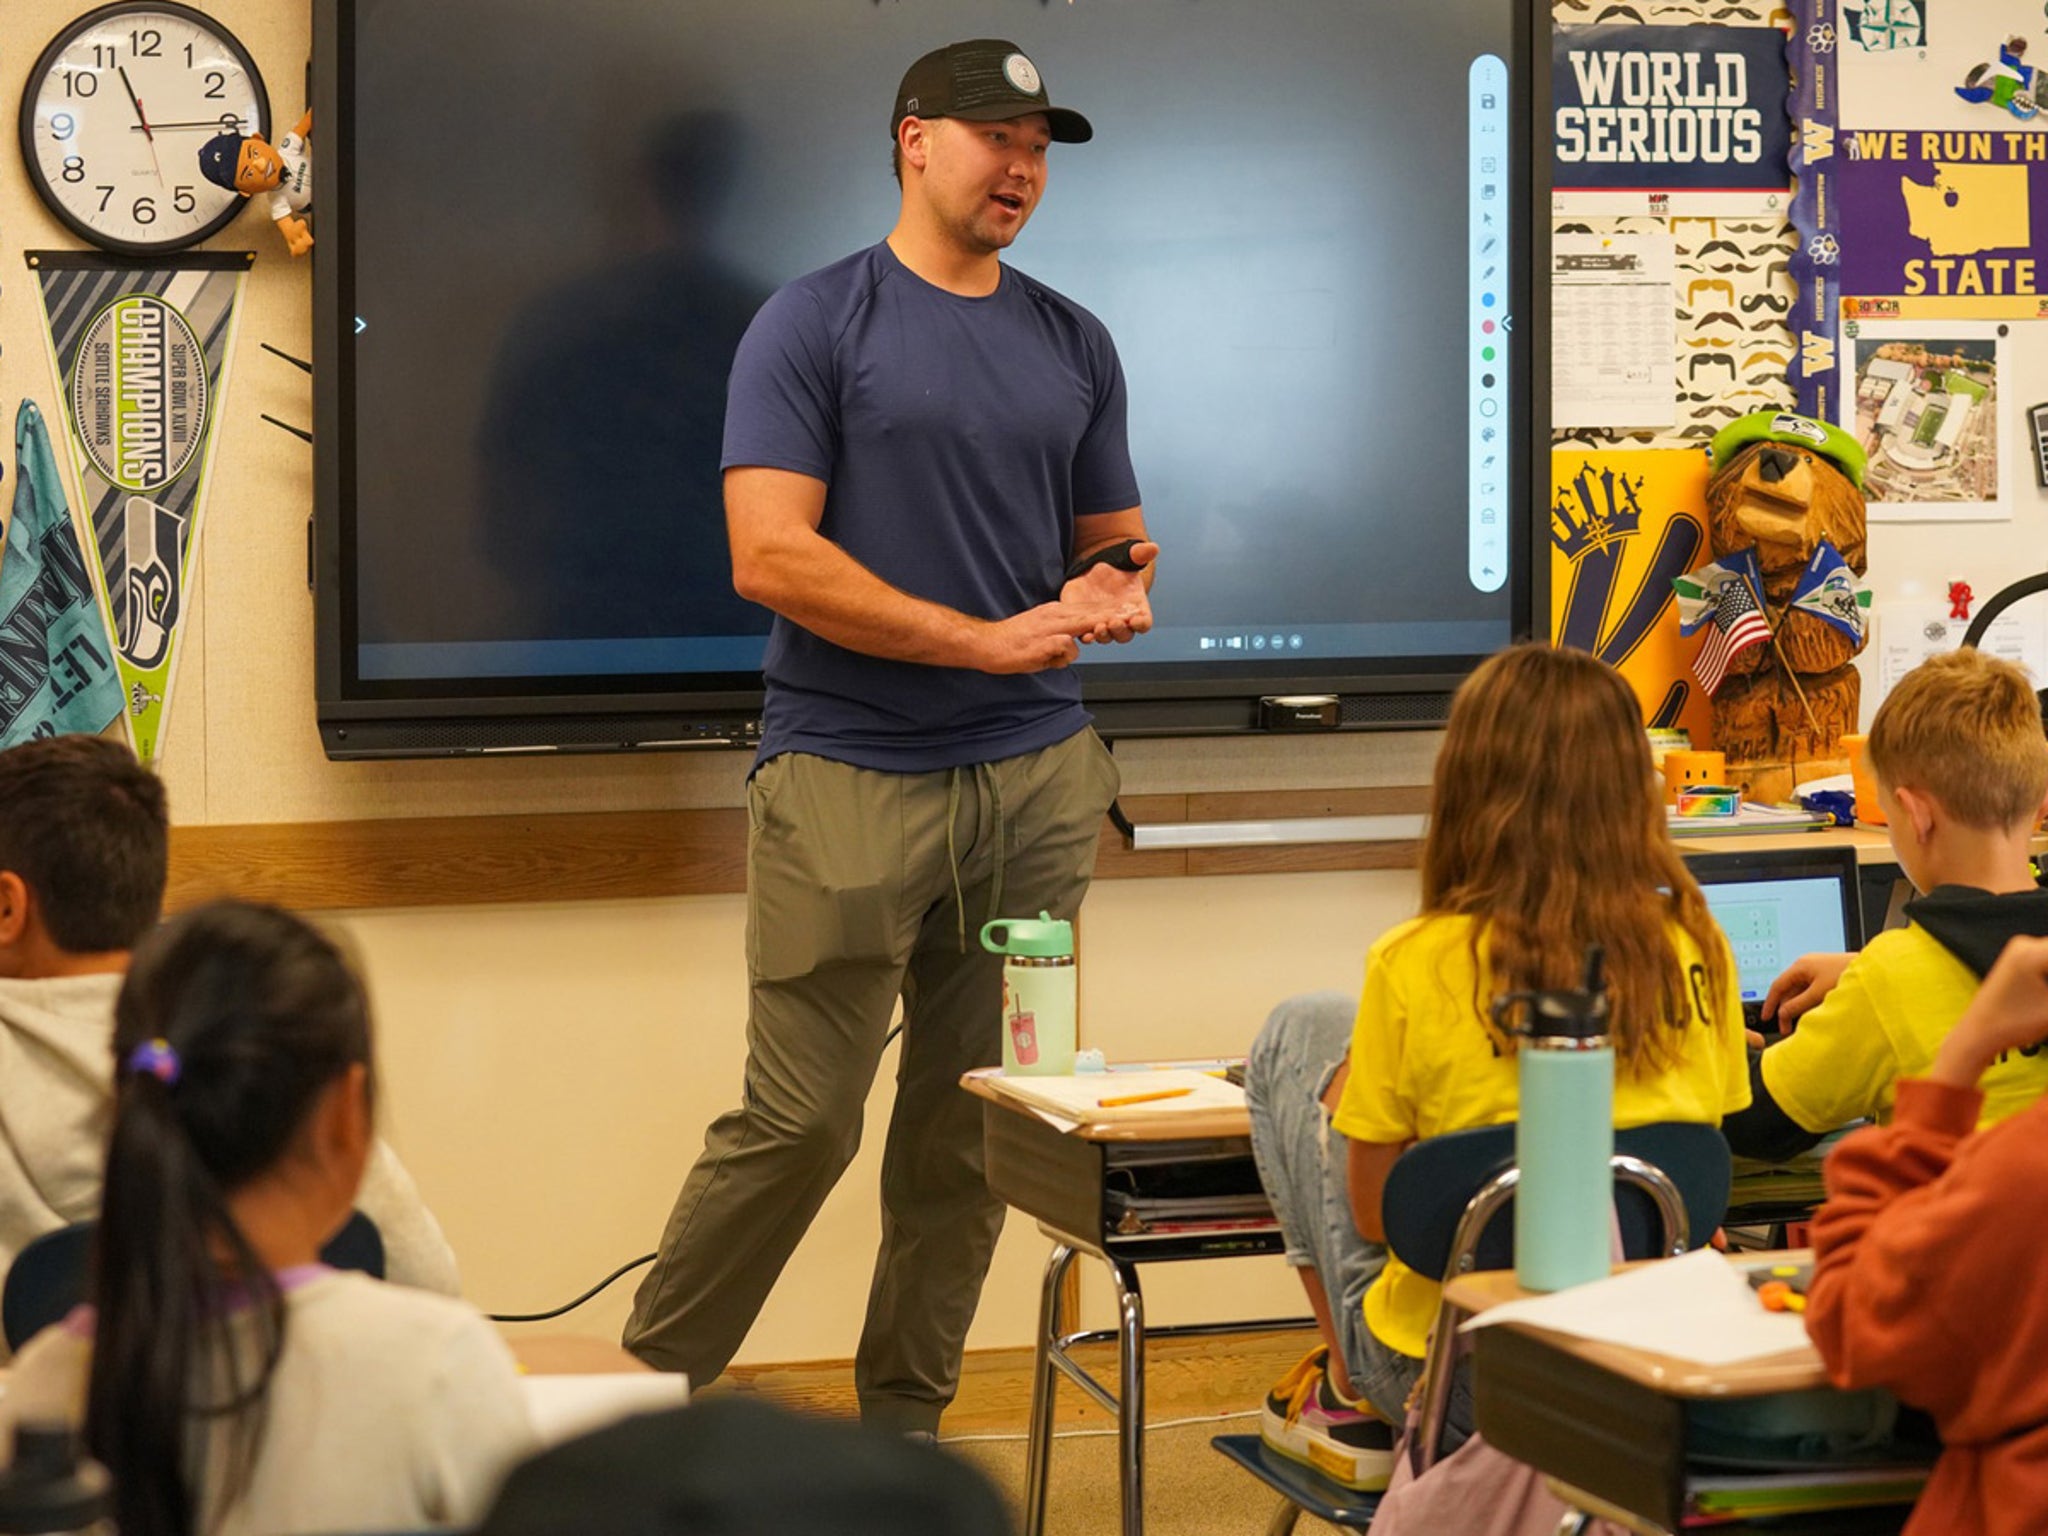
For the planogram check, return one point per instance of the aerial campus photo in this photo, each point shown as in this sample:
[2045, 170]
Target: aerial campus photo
[1926, 413]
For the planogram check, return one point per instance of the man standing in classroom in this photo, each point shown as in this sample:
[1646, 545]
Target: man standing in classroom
[927, 480]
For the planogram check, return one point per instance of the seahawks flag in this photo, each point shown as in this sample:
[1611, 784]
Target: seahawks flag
[56, 665]
[1699, 591]
[1830, 590]
[141, 358]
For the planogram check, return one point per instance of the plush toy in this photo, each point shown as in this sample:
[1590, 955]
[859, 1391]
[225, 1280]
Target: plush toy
[1785, 503]
[247, 164]
[2009, 83]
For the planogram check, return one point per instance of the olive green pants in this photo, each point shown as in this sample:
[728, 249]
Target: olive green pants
[863, 887]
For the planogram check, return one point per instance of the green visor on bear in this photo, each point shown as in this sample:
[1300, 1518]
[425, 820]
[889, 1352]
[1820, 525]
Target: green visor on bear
[1831, 443]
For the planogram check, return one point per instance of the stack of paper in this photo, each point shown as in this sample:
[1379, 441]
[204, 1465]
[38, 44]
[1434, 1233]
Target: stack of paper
[1699, 1308]
[1105, 1098]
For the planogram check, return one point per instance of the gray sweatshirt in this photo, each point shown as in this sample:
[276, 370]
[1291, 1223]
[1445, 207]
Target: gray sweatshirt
[56, 1069]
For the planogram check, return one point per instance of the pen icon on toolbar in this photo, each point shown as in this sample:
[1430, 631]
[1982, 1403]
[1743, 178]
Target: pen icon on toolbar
[1487, 244]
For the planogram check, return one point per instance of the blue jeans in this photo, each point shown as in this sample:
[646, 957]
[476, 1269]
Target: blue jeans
[1302, 1163]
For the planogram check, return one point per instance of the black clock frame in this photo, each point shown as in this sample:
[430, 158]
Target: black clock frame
[85, 22]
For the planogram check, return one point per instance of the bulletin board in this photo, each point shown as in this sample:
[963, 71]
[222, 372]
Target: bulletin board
[1891, 279]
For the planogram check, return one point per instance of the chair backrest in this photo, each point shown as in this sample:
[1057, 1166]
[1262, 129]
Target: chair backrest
[1432, 1182]
[48, 1277]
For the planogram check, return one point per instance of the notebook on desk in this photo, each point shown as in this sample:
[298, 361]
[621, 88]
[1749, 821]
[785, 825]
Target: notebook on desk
[1778, 904]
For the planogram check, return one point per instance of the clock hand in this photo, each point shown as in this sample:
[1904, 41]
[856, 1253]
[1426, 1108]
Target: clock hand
[219, 125]
[142, 120]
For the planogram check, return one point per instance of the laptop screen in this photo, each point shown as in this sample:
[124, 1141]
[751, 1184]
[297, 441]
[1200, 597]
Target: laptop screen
[1778, 905]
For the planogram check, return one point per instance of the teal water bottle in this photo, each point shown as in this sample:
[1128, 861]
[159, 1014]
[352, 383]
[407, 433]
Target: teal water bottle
[1038, 993]
[1564, 1136]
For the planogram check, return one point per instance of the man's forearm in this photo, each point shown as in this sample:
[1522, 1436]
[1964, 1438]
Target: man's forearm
[814, 583]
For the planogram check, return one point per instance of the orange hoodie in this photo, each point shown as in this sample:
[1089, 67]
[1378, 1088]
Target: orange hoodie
[1928, 1279]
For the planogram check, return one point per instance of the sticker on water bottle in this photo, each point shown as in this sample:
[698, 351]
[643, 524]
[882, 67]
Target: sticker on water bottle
[1024, 1038]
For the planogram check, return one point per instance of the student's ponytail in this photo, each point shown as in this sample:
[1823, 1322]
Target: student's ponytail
[232, 1020]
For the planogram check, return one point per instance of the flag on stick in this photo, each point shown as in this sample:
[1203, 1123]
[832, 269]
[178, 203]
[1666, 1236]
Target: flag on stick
[1828, 589]
[1699, 590]
[1738, 624]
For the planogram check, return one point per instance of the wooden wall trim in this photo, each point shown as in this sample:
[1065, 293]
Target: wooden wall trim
[624, 855]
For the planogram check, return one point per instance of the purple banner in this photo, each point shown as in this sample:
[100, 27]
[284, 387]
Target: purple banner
[1816, 211]
[1945, 222]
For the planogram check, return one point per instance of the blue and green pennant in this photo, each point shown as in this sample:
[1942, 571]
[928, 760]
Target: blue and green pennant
[141, 359]
[1828, 589]
[56, 666]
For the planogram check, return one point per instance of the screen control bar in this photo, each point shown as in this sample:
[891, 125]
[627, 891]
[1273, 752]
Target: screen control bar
[1487, 322]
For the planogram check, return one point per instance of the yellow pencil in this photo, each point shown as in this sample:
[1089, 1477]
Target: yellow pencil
[1143, 1098]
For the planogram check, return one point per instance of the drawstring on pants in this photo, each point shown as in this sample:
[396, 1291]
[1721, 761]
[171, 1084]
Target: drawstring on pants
[989, 798]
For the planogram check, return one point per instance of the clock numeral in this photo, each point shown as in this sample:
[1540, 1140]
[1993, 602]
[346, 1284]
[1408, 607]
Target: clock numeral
[105, 56]
[216, 85]
[74, 168]
[106, 195]
[229, 123]
[145, 211]
[182, 200]
[62, 126]
[80, 82]
[147, 44]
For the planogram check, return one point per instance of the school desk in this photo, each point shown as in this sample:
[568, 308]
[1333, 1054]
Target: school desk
[1129, 1193]
[1607, 1424]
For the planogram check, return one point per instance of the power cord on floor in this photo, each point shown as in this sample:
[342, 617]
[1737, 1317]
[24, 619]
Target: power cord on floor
[1099, 1434]
[570, 1306]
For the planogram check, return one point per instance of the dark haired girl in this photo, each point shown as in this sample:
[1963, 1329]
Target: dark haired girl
[231, 1382]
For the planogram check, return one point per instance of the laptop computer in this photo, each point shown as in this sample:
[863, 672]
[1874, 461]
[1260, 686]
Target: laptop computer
[1778, 904]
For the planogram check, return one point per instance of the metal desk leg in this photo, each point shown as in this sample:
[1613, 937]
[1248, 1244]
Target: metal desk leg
[1044, 1380]
[1130, 1418]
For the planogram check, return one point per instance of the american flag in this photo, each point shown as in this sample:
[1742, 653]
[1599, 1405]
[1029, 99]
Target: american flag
[1738, 624]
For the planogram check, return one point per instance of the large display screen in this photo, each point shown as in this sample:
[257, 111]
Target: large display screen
[544, 228]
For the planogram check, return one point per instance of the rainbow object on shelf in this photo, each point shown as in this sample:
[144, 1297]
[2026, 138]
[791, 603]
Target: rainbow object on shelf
[1705, 802]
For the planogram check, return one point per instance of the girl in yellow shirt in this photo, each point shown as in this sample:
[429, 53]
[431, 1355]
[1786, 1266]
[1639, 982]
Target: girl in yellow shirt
[1546, 834]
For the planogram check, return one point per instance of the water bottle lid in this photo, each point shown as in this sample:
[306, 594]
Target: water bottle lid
[1565, 1016]
[50, 1488]
[1040, 935]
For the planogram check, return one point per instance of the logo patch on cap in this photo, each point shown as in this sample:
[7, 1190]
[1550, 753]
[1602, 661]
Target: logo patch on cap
[1798, 426]
[1023, 74]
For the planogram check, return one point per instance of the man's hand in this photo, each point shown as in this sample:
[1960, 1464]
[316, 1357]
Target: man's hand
[2009, 1012]
[1035, 640]
[1804, 983]
[1117, 599]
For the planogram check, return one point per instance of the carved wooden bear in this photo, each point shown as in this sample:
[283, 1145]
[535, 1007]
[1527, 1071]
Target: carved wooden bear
[1781, 484]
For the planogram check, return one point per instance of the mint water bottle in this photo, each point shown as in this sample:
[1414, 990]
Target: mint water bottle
[1038, 993]
[1564, 1133]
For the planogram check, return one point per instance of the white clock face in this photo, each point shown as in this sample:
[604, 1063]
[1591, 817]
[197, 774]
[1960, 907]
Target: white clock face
[115, 113]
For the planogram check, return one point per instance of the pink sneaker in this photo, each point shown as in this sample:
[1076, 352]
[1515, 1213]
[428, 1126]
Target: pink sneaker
[1306, 1421]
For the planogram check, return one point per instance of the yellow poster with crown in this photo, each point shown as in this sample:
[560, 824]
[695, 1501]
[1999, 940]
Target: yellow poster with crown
[1623, 524]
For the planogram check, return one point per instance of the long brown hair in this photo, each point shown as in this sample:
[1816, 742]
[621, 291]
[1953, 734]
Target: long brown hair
[1547, 828]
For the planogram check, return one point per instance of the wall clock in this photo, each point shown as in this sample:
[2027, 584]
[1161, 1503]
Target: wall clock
[113, 115]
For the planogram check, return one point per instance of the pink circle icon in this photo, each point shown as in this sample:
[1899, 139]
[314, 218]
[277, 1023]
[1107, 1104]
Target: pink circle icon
[1486, 326]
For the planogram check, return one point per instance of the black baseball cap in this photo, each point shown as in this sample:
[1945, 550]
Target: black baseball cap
[985, 80]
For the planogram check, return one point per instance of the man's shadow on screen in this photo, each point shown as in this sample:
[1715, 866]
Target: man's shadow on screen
[602, 421]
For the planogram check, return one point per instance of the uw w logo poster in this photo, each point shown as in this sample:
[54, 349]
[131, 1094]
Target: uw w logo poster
[1622, 525]
[141, 359]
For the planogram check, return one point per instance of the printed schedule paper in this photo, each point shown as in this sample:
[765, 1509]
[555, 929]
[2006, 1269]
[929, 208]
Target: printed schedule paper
[1614, 324]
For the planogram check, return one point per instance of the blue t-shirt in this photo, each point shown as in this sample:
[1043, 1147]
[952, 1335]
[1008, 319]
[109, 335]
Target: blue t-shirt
[958, 439]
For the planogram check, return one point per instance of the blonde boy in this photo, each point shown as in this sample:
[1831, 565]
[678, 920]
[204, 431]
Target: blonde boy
[1962, 772]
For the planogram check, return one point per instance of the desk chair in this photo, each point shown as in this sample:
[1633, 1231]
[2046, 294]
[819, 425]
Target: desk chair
[49, 1275]
[1448, 1208]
